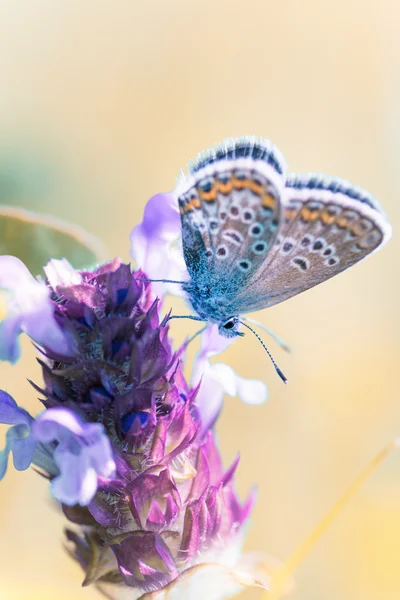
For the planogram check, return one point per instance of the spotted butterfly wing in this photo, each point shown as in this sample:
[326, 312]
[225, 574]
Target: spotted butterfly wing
[327, 225]
[230, 209]
[252, 238]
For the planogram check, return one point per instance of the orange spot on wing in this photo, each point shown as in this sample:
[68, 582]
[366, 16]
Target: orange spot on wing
[361, 227]
[309, 215]
[344, 222]
[196, 202]
[327, 217]
[240, 184]
[290, 213]
[224, 188]
[268, 201]
[210, 196]
[256, 188]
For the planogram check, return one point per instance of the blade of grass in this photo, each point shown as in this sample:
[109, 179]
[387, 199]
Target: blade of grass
[281, 578]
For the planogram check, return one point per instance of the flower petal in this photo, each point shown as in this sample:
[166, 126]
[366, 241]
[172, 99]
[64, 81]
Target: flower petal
[161, 218]
[77, 483]
[10, 329]
[155, 244]
[30, 310]
[212, 342]
[11, 413]
[19, 439]
[22, 444]
[83, 454]
[61, 272]
[220, 379]
[225, 376]
[209, 401]
[251, 391]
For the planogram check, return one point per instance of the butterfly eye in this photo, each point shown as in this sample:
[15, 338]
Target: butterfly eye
[230, 328]
[229, 324]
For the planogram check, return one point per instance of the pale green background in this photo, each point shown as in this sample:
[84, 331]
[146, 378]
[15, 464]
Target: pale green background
[101, 104]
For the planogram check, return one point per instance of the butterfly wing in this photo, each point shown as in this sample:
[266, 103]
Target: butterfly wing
[327, 226]
[230, 207]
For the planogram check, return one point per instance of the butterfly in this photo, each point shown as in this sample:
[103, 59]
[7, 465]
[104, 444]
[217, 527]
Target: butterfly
[253, 236]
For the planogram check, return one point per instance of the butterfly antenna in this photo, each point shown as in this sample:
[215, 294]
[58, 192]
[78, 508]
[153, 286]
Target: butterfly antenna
[191, 317]
[279, 340]
[277, 369]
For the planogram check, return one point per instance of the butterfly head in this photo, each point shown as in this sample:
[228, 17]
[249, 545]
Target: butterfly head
[229, 328]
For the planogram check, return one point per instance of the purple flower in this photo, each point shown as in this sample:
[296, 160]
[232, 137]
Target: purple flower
[29, 310]
[128, 445]
[156, 244]
[82, 454]
[74, 453]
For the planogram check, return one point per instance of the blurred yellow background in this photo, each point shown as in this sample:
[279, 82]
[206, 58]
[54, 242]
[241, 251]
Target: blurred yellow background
[101, 104]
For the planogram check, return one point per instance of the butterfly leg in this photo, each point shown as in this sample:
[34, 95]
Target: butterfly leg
[193, 318]
[191, 339]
